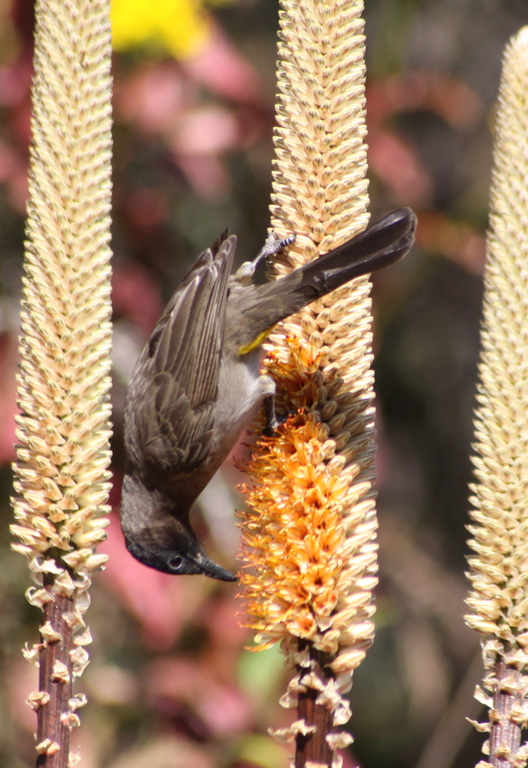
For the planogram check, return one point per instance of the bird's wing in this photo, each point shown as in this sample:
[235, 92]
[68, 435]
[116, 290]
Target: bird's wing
[172, 396]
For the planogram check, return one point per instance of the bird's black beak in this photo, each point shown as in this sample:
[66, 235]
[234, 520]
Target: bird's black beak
[209, 568]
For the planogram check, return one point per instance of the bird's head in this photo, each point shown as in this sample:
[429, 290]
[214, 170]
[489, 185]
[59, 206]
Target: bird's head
[157, 538]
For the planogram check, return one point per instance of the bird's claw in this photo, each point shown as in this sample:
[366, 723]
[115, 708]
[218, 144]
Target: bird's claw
[272, 421]
[274, 245]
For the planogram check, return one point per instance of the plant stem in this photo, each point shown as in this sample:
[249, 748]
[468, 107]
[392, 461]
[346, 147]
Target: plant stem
[505, 736]
[55, 679]
[314, 747]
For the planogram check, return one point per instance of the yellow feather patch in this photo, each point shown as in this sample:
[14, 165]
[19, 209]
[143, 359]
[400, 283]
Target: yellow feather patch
[247, 348]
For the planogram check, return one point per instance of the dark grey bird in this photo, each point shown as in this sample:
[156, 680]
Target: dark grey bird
[197, 383]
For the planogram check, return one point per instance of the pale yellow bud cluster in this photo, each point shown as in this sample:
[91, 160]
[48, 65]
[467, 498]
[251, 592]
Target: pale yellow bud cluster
[61, 472]
[499, 567]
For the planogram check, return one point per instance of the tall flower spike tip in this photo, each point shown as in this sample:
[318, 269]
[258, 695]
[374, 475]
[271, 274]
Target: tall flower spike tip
[61, 472]
[499, 568]
[310, 532]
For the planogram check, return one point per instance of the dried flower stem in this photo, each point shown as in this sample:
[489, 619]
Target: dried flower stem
[57, 687]
[499, 567]
[313, 747]
[310, 532]
[61, 472]
[505, 736]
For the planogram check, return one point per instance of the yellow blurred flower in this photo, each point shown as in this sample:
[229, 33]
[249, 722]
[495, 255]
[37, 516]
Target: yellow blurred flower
[178, 27]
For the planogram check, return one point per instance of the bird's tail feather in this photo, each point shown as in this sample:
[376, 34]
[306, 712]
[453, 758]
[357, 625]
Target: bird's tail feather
[384, 243]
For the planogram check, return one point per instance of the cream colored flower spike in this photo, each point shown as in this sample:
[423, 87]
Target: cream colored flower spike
[310, 532]
[63, 431]
[499, 569]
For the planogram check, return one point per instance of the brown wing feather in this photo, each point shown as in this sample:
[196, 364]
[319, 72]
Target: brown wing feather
[176, 376]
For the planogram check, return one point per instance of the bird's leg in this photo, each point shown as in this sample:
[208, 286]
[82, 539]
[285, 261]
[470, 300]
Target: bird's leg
[272, 422]
[273, 245]
[267, 391]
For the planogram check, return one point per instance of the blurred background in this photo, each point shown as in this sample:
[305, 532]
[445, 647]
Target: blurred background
[170, 684]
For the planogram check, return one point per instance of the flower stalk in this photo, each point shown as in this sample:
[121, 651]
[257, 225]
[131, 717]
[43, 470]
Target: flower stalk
[309, 534]
[61, 471]
[499, 566]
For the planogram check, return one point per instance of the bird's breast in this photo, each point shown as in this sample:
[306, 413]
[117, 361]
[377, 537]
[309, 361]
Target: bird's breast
[239, 395]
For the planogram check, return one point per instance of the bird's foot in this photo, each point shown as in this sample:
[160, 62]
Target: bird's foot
[273, 245]
[272, 421]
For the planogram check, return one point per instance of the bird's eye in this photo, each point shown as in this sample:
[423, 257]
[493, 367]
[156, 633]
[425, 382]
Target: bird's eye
[175, 562]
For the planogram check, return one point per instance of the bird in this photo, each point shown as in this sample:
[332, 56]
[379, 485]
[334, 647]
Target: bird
[197, 383]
